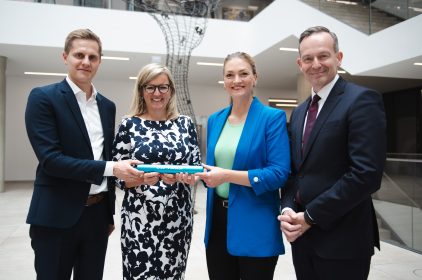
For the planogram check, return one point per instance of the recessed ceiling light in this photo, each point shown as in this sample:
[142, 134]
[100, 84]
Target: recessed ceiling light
[282, 100]
[285, 105]
[221, 82]
[114, 58]
[418, 63]
[289, 49]
[45, 74]
[341, 72]
[209, 64]
[133, 78]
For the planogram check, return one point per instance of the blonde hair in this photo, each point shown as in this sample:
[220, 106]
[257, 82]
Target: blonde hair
[148, 73]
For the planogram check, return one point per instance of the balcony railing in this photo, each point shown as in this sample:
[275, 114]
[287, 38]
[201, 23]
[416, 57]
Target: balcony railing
[369, 16]
[398, 203]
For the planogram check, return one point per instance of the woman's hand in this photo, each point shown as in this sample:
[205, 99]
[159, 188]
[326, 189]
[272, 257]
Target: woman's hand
[186, 178]
[168, 179]
[214, 176]
[150, 178]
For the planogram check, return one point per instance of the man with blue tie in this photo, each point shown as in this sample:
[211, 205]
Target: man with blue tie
[71, 129]
[338, 145]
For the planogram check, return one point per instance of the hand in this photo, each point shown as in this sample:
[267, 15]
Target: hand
[213, 177]
[169, 179]
[292, 224]
[125, 171]
[150, 178]
[186, 178]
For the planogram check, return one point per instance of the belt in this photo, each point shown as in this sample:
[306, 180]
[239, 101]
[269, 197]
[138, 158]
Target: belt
[222, 201]
[95, 198]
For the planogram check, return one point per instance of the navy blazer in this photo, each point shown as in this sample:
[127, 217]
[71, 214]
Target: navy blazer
[263, 150]
[66, 168]
[339, 169]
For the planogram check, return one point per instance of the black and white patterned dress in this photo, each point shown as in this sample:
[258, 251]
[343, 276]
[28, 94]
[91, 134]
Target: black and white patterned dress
[157, 220]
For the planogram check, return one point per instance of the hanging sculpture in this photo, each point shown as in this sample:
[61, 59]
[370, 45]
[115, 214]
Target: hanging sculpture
[183, 23]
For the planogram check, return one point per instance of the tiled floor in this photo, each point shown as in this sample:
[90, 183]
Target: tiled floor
[16, 256]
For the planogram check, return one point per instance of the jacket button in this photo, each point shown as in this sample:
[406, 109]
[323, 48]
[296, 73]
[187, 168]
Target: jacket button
[256, 179]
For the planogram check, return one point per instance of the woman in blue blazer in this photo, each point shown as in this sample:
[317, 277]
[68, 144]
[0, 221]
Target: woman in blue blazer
[248, 161]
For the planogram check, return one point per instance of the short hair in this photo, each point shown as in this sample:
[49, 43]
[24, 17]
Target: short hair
[241, 55]
[318, 29]
[84, 34]
[148, 73]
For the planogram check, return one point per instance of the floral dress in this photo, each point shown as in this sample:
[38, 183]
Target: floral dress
[157, 220]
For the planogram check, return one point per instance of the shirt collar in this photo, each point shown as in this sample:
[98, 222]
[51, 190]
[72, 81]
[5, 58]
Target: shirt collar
[77, 90]
[325, 91]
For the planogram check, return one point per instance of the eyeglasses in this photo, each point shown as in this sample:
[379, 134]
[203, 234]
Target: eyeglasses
[164, 88]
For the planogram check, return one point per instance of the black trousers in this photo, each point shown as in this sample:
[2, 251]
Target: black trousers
[222, 265]
[81, 248]
[309, 266]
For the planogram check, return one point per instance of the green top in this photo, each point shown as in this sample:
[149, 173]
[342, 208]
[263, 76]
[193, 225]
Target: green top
[225, 151]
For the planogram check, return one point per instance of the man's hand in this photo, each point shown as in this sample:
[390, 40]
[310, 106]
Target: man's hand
[292, 224]
[125, 171]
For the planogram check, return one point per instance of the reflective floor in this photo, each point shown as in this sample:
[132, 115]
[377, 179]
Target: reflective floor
[16, 256]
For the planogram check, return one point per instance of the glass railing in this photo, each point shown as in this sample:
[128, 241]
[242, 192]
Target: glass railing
[399, 201]
[225, 9]
[369, 16]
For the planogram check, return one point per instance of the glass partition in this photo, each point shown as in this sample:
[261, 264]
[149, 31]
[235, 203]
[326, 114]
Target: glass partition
[398, 202]
[369, 16]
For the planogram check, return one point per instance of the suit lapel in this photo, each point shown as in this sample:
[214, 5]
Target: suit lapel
[329, 105]
[106, 126]
[297, 130]
[248, 135]
[74, 108]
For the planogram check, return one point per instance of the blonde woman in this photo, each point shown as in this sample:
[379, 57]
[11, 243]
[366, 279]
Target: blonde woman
[157, 216]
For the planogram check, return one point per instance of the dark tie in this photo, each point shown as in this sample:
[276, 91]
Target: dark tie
[310, 119]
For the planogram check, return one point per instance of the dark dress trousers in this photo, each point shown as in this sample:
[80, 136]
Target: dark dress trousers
[66, 167]
[335, 175]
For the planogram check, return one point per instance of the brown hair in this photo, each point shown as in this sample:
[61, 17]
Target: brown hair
[241, 55]
[84, 34]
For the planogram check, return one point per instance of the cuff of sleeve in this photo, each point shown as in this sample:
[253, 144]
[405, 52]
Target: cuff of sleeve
[108, 171]
[308, 218]
[285, 209]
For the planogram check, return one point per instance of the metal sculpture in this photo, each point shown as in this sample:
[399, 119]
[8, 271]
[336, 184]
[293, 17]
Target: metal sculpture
[183, 23]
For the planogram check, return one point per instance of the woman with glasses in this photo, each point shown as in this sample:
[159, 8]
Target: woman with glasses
[248, 161]
[157, 214]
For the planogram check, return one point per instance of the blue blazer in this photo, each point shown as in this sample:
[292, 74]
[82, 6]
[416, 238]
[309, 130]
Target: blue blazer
[66, 168]
[339, 169]
[263, 150]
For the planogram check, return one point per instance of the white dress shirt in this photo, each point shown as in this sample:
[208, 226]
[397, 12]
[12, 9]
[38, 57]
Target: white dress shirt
[91, 116]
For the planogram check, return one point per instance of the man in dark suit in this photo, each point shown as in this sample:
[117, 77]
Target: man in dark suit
[71, 129]
[338, 145]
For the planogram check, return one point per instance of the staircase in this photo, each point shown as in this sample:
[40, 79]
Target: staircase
[357, 16]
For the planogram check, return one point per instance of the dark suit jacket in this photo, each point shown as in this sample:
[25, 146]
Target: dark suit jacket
[340, 168]
[66, 168]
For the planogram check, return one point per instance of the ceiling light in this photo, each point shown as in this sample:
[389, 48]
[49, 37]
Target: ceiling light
[114, 58]
[209, 64]
[221, 82]
[289, 49]
[252, 8]
[343, 2]
[341, 72]
[282, 100]
[133, 78]
[286, 105]
[418, 63]
[45, 74]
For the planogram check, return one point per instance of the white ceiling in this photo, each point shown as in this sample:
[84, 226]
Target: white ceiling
[276, 69]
